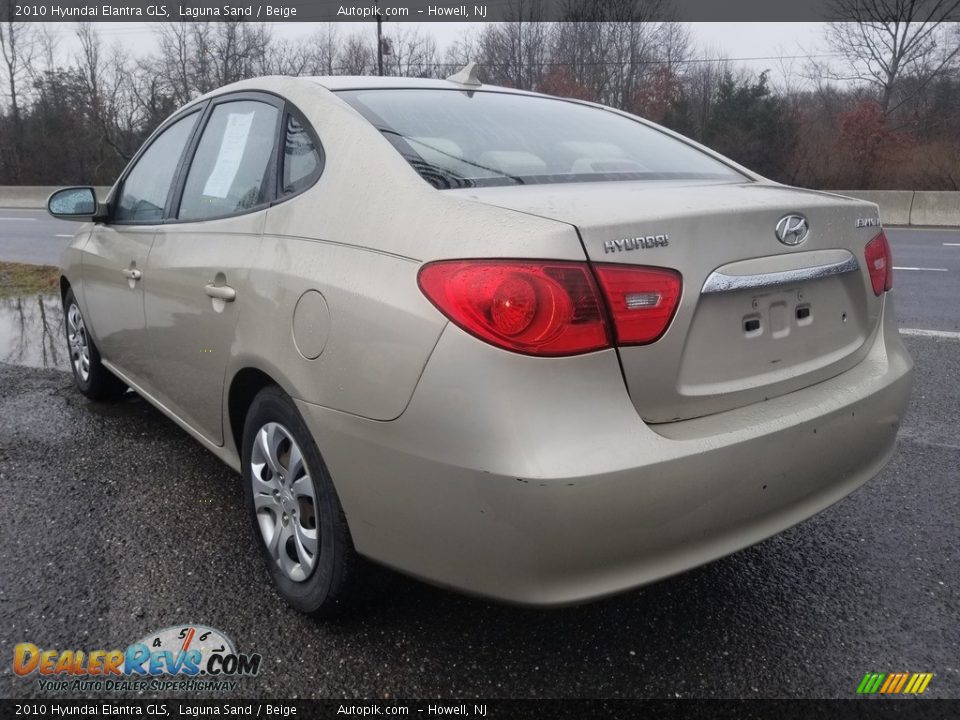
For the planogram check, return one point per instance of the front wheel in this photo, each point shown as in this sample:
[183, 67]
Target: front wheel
[89, 374]
[296, 513]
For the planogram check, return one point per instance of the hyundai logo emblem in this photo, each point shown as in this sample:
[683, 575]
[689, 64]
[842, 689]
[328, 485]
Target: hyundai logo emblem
[792, 229]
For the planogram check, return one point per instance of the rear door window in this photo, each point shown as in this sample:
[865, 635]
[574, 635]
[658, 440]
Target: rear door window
[302, 158]
[231, 169]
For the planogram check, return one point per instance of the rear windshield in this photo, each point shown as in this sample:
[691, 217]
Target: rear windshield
[457, 139]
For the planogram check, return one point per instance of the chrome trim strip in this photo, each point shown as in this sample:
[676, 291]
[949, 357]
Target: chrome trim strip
[717, 282]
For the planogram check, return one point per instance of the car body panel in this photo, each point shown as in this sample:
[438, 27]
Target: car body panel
[114, 302]
[372, 340]
[368, 196]
[192, 335]
[705, 362]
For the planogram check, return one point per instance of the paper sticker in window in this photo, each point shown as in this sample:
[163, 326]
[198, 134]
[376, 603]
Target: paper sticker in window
[228, 158]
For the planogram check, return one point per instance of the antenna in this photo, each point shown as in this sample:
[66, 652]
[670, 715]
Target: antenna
[468, 75]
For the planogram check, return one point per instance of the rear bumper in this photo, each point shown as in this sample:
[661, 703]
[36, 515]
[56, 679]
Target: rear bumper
[538, 484]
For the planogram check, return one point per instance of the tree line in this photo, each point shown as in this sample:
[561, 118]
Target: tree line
[882, 111]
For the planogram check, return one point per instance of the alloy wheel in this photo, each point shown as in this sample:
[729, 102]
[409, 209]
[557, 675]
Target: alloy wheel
[78, 342]
[285, 501]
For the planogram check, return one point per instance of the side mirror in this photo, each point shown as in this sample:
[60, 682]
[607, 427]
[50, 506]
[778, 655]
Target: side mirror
[75, 203]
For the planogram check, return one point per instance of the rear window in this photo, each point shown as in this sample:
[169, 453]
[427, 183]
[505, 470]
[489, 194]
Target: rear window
[457, 139]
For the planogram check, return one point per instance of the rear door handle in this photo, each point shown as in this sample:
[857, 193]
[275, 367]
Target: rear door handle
[132, 273]
[221, 292]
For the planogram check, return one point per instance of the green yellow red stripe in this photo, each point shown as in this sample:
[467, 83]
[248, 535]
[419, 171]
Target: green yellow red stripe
[894, 683]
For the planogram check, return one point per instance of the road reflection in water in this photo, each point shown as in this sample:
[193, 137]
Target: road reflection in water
[31, 332]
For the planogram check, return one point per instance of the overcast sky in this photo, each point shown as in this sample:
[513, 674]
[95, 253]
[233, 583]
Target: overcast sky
[735, 40]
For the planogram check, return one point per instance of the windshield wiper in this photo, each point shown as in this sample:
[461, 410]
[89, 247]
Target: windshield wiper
[438, 176]
[501, 173]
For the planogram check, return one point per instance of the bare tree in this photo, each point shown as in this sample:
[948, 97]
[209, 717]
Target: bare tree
[883, 41]
[45, 57]
[461, 51]
[516, 53]
[674, 45]
[89, 64]
[150, 94]
[16, 47]
[611, 47]
[412, 53]
[238, 49]
[198, 57]
[284, 57]
[177, 58]
[358, 56]
[322, 49]
[113, 113]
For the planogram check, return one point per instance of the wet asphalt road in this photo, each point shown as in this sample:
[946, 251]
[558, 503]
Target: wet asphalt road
[117, 523]
[926, 277]
[32, 236]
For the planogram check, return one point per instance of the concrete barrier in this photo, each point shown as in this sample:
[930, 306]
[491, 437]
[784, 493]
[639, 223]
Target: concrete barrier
[935, 208]
[33, 197]
[913, 207]
[897, 207]
[894, 205]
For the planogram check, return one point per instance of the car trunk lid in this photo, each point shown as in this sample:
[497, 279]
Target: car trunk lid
[757, 318]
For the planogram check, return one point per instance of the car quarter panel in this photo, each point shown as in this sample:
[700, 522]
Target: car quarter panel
[358, 238]
[360, 349]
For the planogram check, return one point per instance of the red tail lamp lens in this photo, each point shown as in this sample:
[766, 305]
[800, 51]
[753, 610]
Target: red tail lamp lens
[642, 300]
[537, 308]
[514, 306]
[879, 263]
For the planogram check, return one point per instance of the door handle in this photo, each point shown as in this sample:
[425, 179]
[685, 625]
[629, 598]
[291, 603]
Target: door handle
[221, 292]
[132, 273]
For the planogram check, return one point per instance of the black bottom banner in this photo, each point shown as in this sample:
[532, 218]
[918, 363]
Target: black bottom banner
[919, 709]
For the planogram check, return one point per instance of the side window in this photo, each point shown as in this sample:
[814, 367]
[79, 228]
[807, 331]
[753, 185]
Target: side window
[144, 192]
[230, 172]
[301, 157]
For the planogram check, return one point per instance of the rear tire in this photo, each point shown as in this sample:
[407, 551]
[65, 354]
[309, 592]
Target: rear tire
[91, 377]
[297, 518]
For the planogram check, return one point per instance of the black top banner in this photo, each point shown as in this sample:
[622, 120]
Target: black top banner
[447, 11]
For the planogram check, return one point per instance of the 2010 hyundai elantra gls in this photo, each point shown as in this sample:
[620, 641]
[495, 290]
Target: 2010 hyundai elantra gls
[529, 348]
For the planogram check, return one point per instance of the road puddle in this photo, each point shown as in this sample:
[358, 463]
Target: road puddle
[31, 332]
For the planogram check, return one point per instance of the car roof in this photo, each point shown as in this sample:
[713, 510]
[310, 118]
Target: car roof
[371, 82]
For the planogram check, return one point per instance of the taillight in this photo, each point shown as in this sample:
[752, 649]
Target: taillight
[538, 308]
[552, 308]
[879, 263]
[642, 300]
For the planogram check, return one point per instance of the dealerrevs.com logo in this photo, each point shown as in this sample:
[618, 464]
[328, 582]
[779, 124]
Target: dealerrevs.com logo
[180, 658]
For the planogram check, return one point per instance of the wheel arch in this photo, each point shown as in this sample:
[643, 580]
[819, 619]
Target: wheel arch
[244, 386]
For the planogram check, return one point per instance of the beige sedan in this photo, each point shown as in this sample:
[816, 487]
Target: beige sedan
[528, 348]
